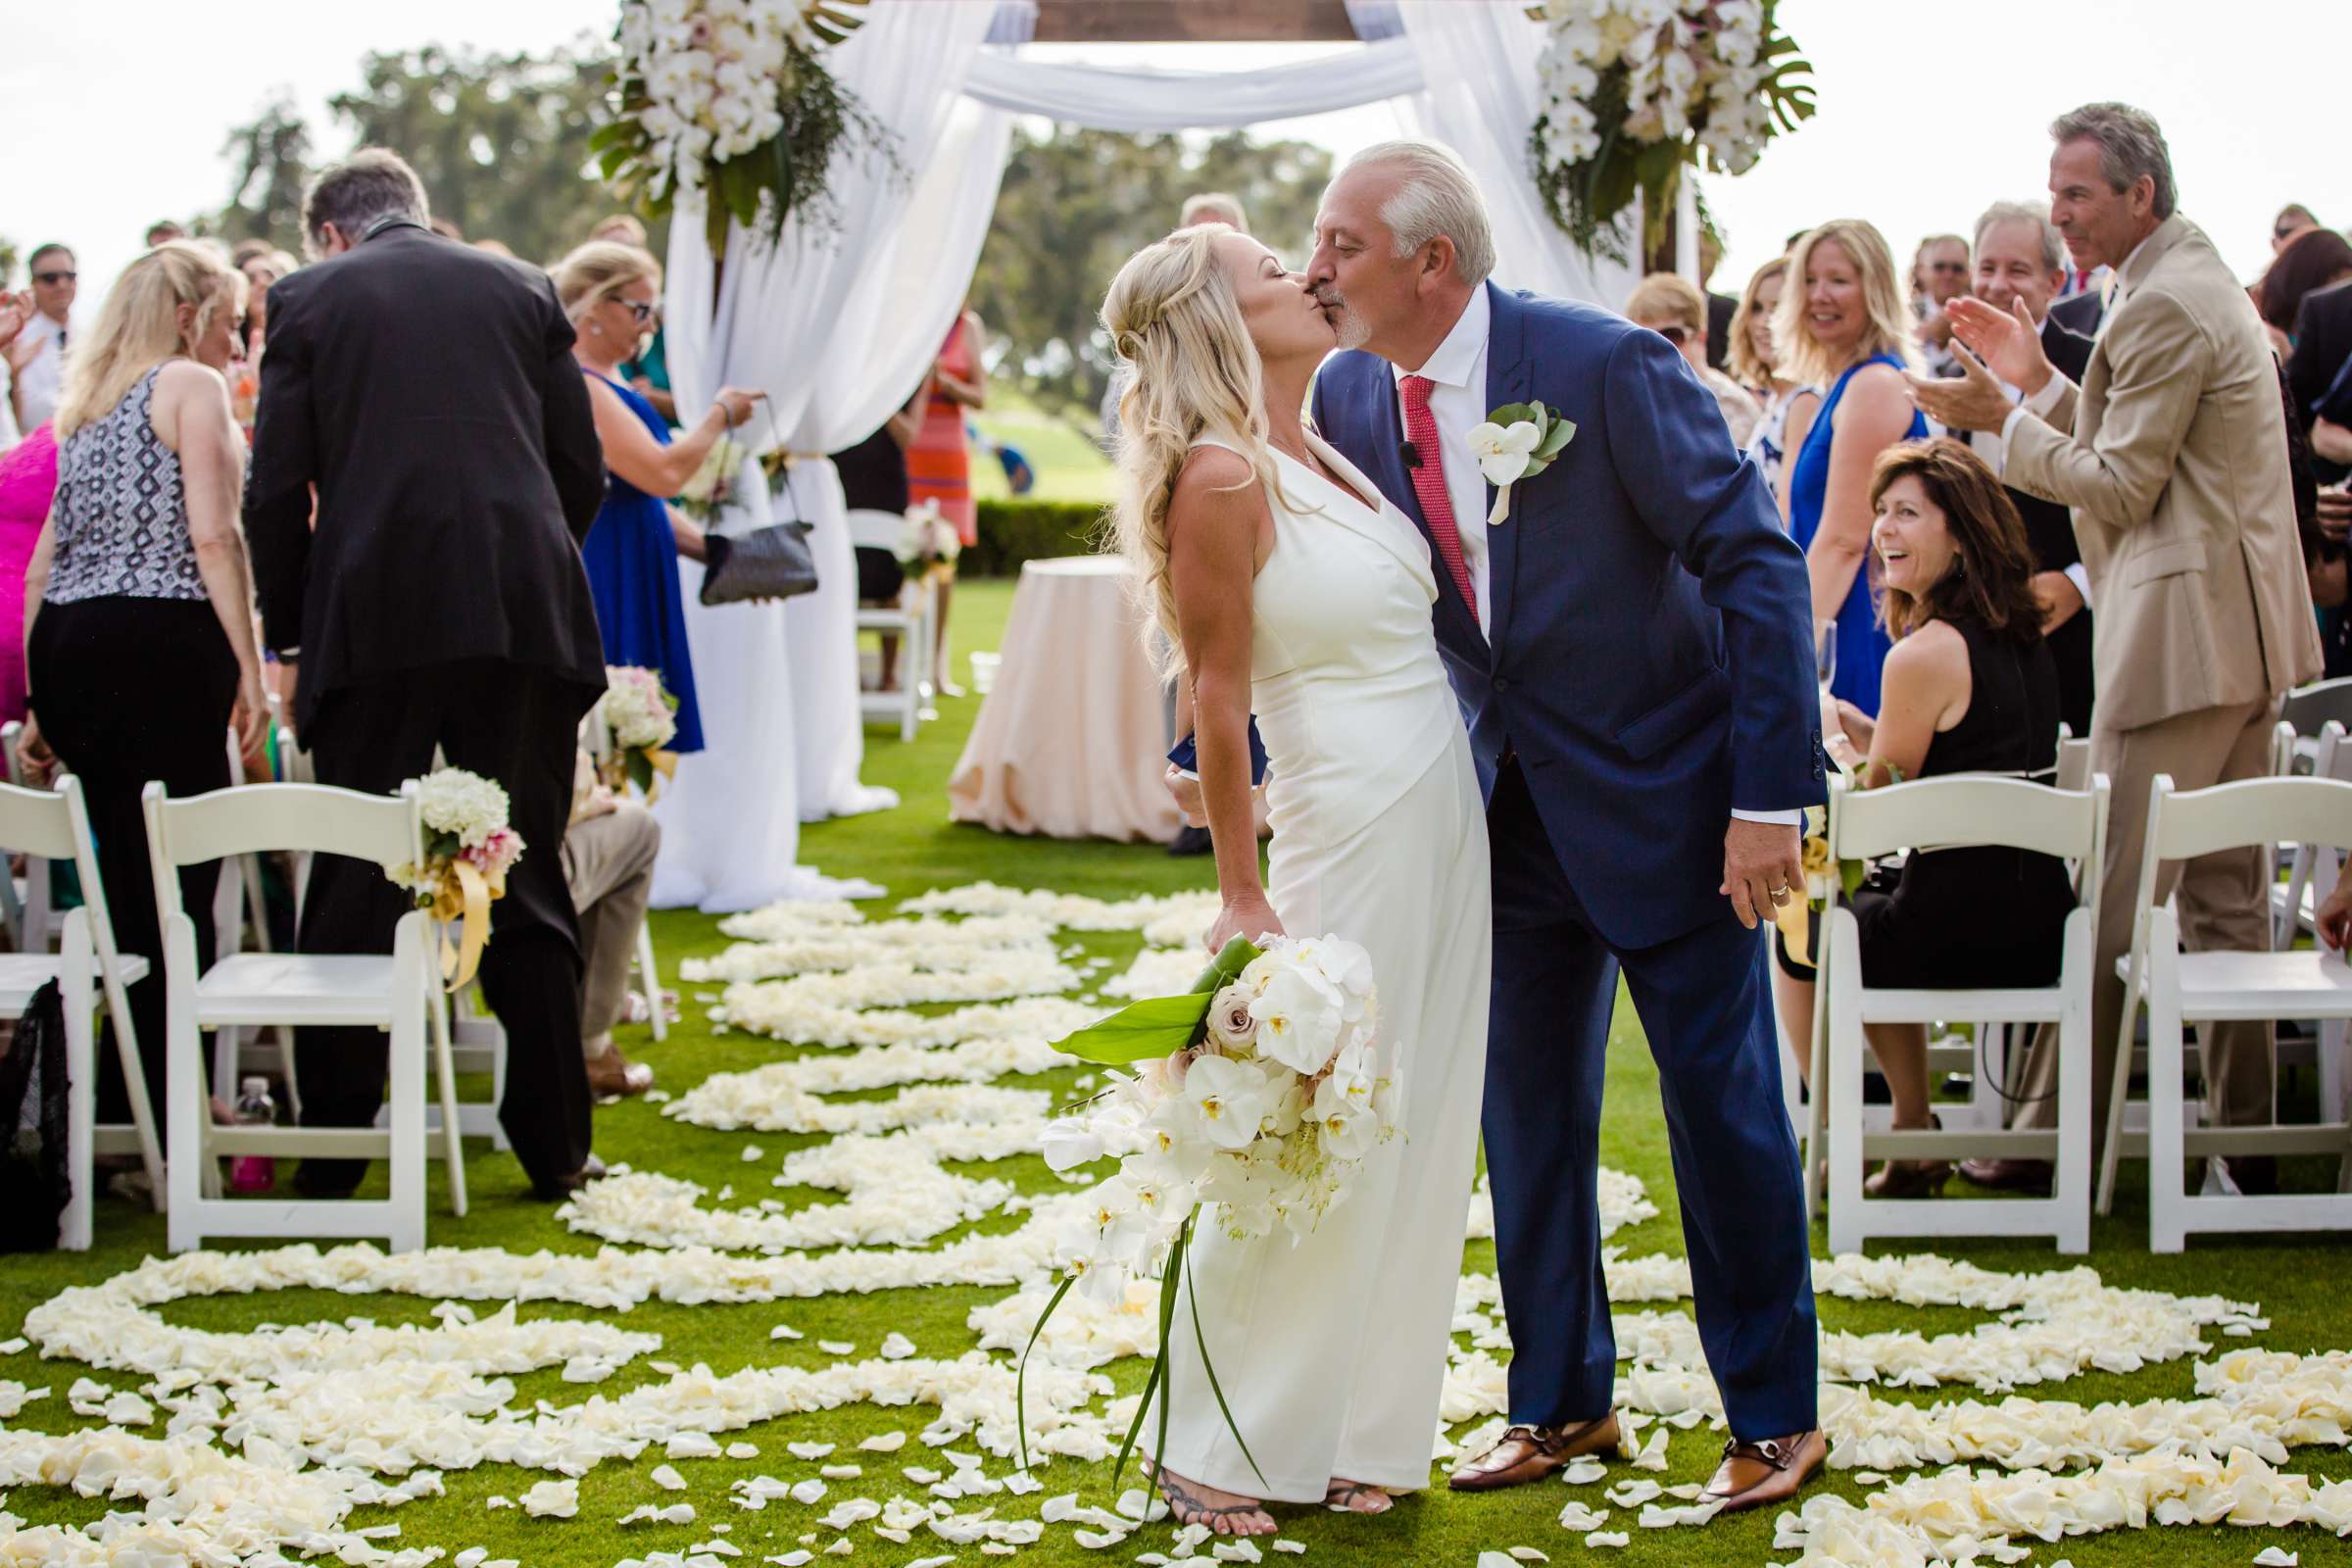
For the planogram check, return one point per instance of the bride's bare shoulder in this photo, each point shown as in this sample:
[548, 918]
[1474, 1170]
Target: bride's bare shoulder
[1216, 489]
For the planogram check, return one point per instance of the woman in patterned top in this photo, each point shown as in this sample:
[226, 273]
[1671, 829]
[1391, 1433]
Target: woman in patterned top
[138, 601]
[1789, 409]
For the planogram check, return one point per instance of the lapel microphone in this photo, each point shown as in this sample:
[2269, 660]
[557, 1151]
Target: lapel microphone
[1412, 455]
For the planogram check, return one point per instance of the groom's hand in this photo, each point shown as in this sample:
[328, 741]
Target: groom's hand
[1761, 860]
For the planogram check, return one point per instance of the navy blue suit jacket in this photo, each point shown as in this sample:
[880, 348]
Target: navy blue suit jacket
[1651, 659]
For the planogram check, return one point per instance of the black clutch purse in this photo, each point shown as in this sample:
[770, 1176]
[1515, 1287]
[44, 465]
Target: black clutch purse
[770, 562]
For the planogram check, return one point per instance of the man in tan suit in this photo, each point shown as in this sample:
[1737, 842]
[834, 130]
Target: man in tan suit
[2173, 455]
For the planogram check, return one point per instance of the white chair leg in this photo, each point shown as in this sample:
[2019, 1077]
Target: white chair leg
[445, 1074]
[2120, 1081]
[649, 974]
[81, 1100]
[284, 1035]
[2069, 1183]
[407, 1064]
[183, 1086]
[1817, 1123]
[2167, 1193]
[1844, 1097]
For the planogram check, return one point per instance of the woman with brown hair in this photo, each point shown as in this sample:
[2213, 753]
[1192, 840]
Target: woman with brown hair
[1970, 687]
[2312, 261]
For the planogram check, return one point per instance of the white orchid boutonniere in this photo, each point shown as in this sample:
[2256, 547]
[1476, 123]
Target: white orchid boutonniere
[1518, 441]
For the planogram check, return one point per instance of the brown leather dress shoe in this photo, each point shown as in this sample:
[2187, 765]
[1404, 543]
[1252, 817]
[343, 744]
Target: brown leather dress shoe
[1524, 1454]
[2009, 1175]
[1770, 1470]
[613, 1074]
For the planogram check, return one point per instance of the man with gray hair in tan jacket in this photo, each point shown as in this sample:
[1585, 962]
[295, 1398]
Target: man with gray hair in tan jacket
[2173, 456]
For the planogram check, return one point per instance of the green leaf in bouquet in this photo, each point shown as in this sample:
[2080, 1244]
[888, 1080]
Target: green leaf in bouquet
[1555, 439]
[1236, 956]
[1850, 874]
[1510, 413]
[1020, 1378]
[639, 769]
[1209, 1367]
[1159, 1026]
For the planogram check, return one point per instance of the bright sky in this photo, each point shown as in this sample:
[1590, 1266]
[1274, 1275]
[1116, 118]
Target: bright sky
[118, 108]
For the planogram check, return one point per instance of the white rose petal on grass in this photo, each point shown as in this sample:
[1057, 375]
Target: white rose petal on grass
[1583, 1516]
[884, 1442]
[1583, 1471]
[785, 1331]
[753, 1154]
[837, 1347]
[1237, 1549]
[553, 1499]
[808, 1450]
[797, 1558]
[470, 1557]
[692, 1445]
[1607, 1538]
[808, 1492]
[667, 1477]
[1633, 1494]
[499, 1501]
[895, 1346]
[15, 1346]
[924, 1477]
[2273, 1557]
[1290, 1548]
[1093, 1540]
[841, 1472]
[743, 1451]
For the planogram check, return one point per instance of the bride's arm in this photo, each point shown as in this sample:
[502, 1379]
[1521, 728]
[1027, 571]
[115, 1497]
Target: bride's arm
[1216, 523]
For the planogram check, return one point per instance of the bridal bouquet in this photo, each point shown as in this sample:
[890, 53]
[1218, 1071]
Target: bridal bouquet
[468, 849]
[1633, 90]
[928, 543]
[640, 720]
[1252, 1099]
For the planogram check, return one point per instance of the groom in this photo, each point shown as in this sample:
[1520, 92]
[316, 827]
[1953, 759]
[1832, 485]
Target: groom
[1631, 647]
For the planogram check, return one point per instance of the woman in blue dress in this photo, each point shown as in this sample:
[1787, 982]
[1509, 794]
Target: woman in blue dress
[611, 293]
[1842, 325]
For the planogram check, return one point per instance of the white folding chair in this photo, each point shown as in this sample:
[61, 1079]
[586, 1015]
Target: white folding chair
[2309, 867]
[35, 924]
[1925, 816]
[2183, 988]
[56, 824]
[392, 993]
[912, 621]
[2308, 709]
[2073, 762]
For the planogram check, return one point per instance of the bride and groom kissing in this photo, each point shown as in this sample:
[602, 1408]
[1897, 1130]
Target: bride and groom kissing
[1515, 752]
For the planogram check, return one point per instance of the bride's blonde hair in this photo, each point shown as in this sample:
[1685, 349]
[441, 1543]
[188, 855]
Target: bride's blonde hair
[1174, 321]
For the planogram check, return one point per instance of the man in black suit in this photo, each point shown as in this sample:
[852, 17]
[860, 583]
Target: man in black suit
[427, 394]
[2322, 347]
[2020, 262]
[2081, 313]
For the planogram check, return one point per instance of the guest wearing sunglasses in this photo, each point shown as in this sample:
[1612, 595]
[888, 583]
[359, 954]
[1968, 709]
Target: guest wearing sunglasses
[1672, 307]
[37, 359]
[613, 293]
[1940, 270]
[2293, 221]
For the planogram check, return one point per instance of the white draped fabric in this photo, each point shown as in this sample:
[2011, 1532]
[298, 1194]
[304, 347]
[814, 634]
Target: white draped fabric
[820, 656]
[730, 832]
[1139, 99]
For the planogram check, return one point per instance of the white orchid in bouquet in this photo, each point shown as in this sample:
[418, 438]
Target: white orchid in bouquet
[1251, 1102]
[928, 543]
[468, 849]
[1634, 90]
[728, 104]
[641, 719]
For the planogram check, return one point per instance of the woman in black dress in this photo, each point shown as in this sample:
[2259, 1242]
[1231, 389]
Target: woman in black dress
[1970, 687]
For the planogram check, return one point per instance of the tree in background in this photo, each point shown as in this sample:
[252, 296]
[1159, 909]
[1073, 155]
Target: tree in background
[271, 155]
[501, 142]
[1075, 204]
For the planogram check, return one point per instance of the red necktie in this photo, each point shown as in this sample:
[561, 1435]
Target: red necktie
[1429, 484]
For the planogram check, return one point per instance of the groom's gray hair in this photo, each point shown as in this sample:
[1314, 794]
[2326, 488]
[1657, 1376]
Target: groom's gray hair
[1438, 196]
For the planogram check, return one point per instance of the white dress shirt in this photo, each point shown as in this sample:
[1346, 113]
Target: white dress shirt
[1458, 404]
[40, 383]
[1458, 401]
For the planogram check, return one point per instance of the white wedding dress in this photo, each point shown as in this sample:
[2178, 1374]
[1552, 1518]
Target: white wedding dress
[1332, 1353]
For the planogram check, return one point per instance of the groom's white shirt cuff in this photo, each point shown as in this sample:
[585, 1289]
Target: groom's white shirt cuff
[1792, 819]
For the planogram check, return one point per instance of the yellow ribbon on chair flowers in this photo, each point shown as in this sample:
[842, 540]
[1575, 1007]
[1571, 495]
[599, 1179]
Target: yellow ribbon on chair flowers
[468, 849]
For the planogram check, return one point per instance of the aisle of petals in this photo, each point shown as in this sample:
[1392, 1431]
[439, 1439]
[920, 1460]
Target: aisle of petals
[238, 1446]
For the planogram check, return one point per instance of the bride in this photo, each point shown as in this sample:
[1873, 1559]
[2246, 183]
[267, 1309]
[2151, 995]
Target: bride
[1290, 590]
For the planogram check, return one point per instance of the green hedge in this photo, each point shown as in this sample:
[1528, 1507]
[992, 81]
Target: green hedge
[1014, 531]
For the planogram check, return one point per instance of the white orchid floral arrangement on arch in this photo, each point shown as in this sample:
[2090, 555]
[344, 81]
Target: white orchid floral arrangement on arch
[1257, 1094]
[727, 106]
[1634, 91]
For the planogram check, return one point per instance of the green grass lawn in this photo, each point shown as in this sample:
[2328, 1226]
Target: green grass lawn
[1068, 464]
[2301, 1283]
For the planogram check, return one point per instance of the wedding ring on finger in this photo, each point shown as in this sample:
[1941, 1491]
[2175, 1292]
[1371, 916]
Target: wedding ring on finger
[1780, 895]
